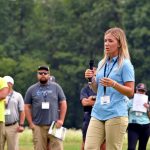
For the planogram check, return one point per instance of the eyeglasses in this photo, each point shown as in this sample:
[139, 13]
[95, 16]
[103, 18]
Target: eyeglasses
[41, 73]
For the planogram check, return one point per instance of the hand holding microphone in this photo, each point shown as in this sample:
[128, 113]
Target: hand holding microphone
[89, 73]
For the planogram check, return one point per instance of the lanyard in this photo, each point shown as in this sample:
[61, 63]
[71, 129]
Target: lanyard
[108, 72]
[9, 100]
[44, 93]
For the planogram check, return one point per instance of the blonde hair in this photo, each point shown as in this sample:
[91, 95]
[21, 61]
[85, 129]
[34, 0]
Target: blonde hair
[123, 49]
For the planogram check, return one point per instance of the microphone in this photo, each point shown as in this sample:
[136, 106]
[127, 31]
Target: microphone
[91, 65]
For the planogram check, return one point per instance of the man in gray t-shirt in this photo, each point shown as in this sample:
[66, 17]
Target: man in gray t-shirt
[45, 102]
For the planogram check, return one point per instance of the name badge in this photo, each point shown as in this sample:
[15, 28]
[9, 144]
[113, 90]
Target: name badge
[7, 112]
[138, 113]
[105, 100]
[45, 105]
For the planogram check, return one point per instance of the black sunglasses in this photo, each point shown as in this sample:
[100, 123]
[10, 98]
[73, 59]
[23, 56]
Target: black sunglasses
[141, 90]
[41, 73]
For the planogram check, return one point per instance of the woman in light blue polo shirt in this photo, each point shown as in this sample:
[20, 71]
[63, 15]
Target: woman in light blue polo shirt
[114, 83]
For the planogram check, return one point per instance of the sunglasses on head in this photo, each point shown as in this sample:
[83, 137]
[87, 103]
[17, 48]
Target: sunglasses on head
[41, 73]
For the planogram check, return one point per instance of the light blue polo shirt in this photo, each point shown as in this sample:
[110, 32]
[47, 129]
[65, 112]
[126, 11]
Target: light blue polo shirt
[118, 102]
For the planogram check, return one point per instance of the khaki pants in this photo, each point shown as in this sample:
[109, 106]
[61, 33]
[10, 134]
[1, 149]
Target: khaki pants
[2, 127]
[11, 137]
[41, 137]
[113, 130]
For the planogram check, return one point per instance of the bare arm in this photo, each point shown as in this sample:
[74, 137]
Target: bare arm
[28, 115]
[87, 101]
[22, 117]
[126, 89]
[62, 113]
[21, 121]
[91, 74]
[4, 92]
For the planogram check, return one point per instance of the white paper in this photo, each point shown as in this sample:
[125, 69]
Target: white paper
[57, 132]
[138, 102]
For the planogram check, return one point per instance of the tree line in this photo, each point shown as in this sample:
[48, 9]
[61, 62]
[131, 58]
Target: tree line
[66, 34]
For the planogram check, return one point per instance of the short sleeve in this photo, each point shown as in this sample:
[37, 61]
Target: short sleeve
[83, 93]
[21, 102]
[128, 71]
[28, 97]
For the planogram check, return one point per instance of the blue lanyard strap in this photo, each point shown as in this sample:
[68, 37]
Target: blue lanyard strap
[108, 72]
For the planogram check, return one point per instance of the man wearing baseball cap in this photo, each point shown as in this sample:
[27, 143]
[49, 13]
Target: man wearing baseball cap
[14, 116]
[45, 102]
[141, 87]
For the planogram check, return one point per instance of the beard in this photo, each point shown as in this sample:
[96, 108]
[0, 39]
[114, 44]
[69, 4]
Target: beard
[43, 81]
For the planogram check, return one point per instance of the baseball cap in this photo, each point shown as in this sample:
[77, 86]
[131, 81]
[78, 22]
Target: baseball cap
[9, 79]
[43, 68]
[141, 86]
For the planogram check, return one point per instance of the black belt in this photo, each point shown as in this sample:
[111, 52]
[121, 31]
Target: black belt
[10, 124]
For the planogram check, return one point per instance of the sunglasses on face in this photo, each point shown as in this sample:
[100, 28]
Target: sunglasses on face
[140, 90]
[43, 73]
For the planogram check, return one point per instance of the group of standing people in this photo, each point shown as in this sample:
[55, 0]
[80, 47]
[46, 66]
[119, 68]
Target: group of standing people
[44, 103]
[105, 100]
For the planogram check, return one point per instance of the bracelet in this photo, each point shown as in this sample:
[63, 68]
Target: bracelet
[114, 84]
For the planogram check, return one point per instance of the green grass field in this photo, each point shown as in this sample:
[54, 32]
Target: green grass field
[72, 140]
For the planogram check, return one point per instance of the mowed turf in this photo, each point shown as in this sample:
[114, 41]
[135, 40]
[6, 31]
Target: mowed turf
[72, 141]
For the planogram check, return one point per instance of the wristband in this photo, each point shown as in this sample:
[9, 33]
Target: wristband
[114, 84]
[93, 97]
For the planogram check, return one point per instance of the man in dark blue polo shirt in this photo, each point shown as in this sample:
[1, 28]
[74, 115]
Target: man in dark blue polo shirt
[87, 98]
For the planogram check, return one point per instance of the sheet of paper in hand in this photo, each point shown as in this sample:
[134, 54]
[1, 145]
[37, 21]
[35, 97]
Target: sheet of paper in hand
[57, 132]
[138, 102]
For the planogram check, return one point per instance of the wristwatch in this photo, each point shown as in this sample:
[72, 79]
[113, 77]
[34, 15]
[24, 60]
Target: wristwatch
[21, 125]
[93, 97]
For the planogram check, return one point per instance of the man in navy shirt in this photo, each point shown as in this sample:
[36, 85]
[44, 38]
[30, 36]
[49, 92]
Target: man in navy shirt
[87, 98]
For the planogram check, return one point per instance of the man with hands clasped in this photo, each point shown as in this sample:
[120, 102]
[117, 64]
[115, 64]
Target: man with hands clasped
[87, 99]
[114, 82]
